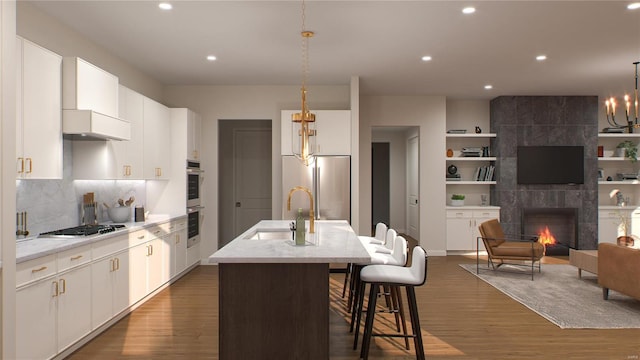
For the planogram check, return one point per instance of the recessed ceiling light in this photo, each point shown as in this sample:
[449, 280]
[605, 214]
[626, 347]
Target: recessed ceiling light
[426, 58]
[165, 6]
[633, 6]
[211, 58]
[469, 10]
[488, 87]
[541, 57]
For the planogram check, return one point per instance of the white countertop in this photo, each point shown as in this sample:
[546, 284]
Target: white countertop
[35, 247]
[335, 242]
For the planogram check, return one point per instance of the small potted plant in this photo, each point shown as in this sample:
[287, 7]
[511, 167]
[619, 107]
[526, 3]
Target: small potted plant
[627, 149]
[457, 200]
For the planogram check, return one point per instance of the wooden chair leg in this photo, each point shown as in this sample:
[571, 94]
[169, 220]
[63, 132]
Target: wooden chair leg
[415, 322]
[368, 327]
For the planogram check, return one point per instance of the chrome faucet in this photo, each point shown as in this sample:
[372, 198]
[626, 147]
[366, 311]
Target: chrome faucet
[311, 212]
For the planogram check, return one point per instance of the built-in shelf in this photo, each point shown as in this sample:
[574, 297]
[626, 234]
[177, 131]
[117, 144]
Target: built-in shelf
[613, 158]
[471, 158]
[470, 182]
[473, 135]
[619, 182]
[618, 135]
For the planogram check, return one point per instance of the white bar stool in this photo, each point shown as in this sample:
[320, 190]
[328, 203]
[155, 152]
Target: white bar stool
[386, 275]
[378, 239]
[398, 258]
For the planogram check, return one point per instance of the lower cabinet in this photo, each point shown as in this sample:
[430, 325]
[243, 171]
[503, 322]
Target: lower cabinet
[109, 288]
[612, 222]
[60, 305]
[462, 227]
[178, 259]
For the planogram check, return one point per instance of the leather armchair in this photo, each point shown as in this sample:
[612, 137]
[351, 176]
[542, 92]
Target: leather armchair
[508, 249]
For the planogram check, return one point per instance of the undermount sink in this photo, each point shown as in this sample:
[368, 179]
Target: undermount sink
[270, 234]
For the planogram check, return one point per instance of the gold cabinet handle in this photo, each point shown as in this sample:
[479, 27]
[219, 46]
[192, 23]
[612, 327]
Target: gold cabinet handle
[151, 247]
[55, 286]
[30, 161]
[112, 265]
[178, 239]
[64, 286]
[158, 171]
[21, 161]
[39, 269]
[156, 232]
[76, 257]
[117, 260]
[140, 237]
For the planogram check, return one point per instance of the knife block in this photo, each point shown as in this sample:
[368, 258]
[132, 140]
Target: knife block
[90, 213]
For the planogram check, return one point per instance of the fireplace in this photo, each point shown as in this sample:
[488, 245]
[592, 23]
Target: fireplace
[557, 228]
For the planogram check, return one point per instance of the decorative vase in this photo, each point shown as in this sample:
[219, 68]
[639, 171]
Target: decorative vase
[457, 202]
[620, 152]
[449, 153]
[625, 241]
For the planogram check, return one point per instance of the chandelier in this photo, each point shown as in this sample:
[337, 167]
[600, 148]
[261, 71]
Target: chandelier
[631, 120]
[303, 131]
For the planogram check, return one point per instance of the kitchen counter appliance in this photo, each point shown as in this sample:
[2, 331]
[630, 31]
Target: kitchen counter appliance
[83, 230]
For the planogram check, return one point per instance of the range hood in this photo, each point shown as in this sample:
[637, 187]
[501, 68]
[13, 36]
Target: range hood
[90, 103]
[89, 124]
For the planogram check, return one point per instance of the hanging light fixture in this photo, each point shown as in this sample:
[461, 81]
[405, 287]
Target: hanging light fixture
[631, 119]
[303, 124]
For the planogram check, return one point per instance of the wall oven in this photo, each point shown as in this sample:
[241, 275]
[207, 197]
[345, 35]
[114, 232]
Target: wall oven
[194, 180]
[193, 225]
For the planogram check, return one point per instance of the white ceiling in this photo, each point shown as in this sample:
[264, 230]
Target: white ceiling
[590, 45]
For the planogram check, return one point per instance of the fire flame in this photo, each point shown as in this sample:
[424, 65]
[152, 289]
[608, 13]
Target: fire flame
[545, 237]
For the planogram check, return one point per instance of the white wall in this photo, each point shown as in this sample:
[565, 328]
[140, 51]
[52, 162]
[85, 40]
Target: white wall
[429, 114]
[215, 103]
[44, 30]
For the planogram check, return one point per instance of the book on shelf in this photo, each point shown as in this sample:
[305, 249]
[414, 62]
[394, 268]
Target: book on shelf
[484, 173]
[456, 131]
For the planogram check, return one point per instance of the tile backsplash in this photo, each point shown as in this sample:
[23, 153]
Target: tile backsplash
[56, 204]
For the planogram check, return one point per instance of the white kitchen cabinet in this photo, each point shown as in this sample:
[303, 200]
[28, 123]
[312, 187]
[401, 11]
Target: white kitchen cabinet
[333, 132]
[611, 224]
[462, 227]
[193, 254]
[157, 140]
[36, 311]
[74, 305]
[129, 154]
[39, 124]
[177, 241]
[194, 131]
[110, 288]
[156, 272]
[53, 313]
[87, 87]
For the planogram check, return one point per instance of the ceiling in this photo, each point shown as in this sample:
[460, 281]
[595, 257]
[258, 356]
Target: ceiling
[590, 45]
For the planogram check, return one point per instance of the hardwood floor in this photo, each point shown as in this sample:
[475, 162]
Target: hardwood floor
[461, 318]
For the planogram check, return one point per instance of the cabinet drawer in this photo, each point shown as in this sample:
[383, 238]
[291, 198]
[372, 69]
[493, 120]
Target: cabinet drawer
[35, 269]
[109, 246]
[459, 214]
[486, 214]
[157, 231]
[180, 225]
[74, 257]
[138, 237]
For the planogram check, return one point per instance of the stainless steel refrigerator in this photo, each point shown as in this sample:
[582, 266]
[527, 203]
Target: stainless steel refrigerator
[328, 179]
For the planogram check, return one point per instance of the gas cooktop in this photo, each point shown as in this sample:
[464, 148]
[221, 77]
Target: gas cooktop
[83, 230]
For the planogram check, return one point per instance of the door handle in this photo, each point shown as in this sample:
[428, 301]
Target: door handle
[238, 204]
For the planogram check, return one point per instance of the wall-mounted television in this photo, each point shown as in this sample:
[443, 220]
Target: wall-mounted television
[550, 165]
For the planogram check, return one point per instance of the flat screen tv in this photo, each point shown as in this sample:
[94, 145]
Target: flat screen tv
[550, 165]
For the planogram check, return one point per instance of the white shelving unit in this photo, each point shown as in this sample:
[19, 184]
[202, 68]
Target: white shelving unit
[467, 165]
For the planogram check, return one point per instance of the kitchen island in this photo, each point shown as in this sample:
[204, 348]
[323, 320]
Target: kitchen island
[274, 295]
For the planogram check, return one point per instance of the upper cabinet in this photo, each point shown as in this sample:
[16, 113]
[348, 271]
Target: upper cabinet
[157, 140]
[87, 87]
[129, 154]
[38, 126]
[333, 132]
[194, 129]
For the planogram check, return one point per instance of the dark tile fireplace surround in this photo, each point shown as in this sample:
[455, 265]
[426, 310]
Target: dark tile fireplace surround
[545, 121]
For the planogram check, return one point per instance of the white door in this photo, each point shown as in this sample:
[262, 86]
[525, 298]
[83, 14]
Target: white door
[252, 177]
[413, 188]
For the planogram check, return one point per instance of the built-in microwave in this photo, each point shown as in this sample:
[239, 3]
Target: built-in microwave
[194, 179]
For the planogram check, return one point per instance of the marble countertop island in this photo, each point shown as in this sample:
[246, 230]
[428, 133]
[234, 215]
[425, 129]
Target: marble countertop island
[334, 241]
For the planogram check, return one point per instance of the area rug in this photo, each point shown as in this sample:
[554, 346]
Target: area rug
[558, 295]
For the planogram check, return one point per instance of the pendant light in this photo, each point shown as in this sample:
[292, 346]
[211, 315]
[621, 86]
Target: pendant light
[303, 124]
